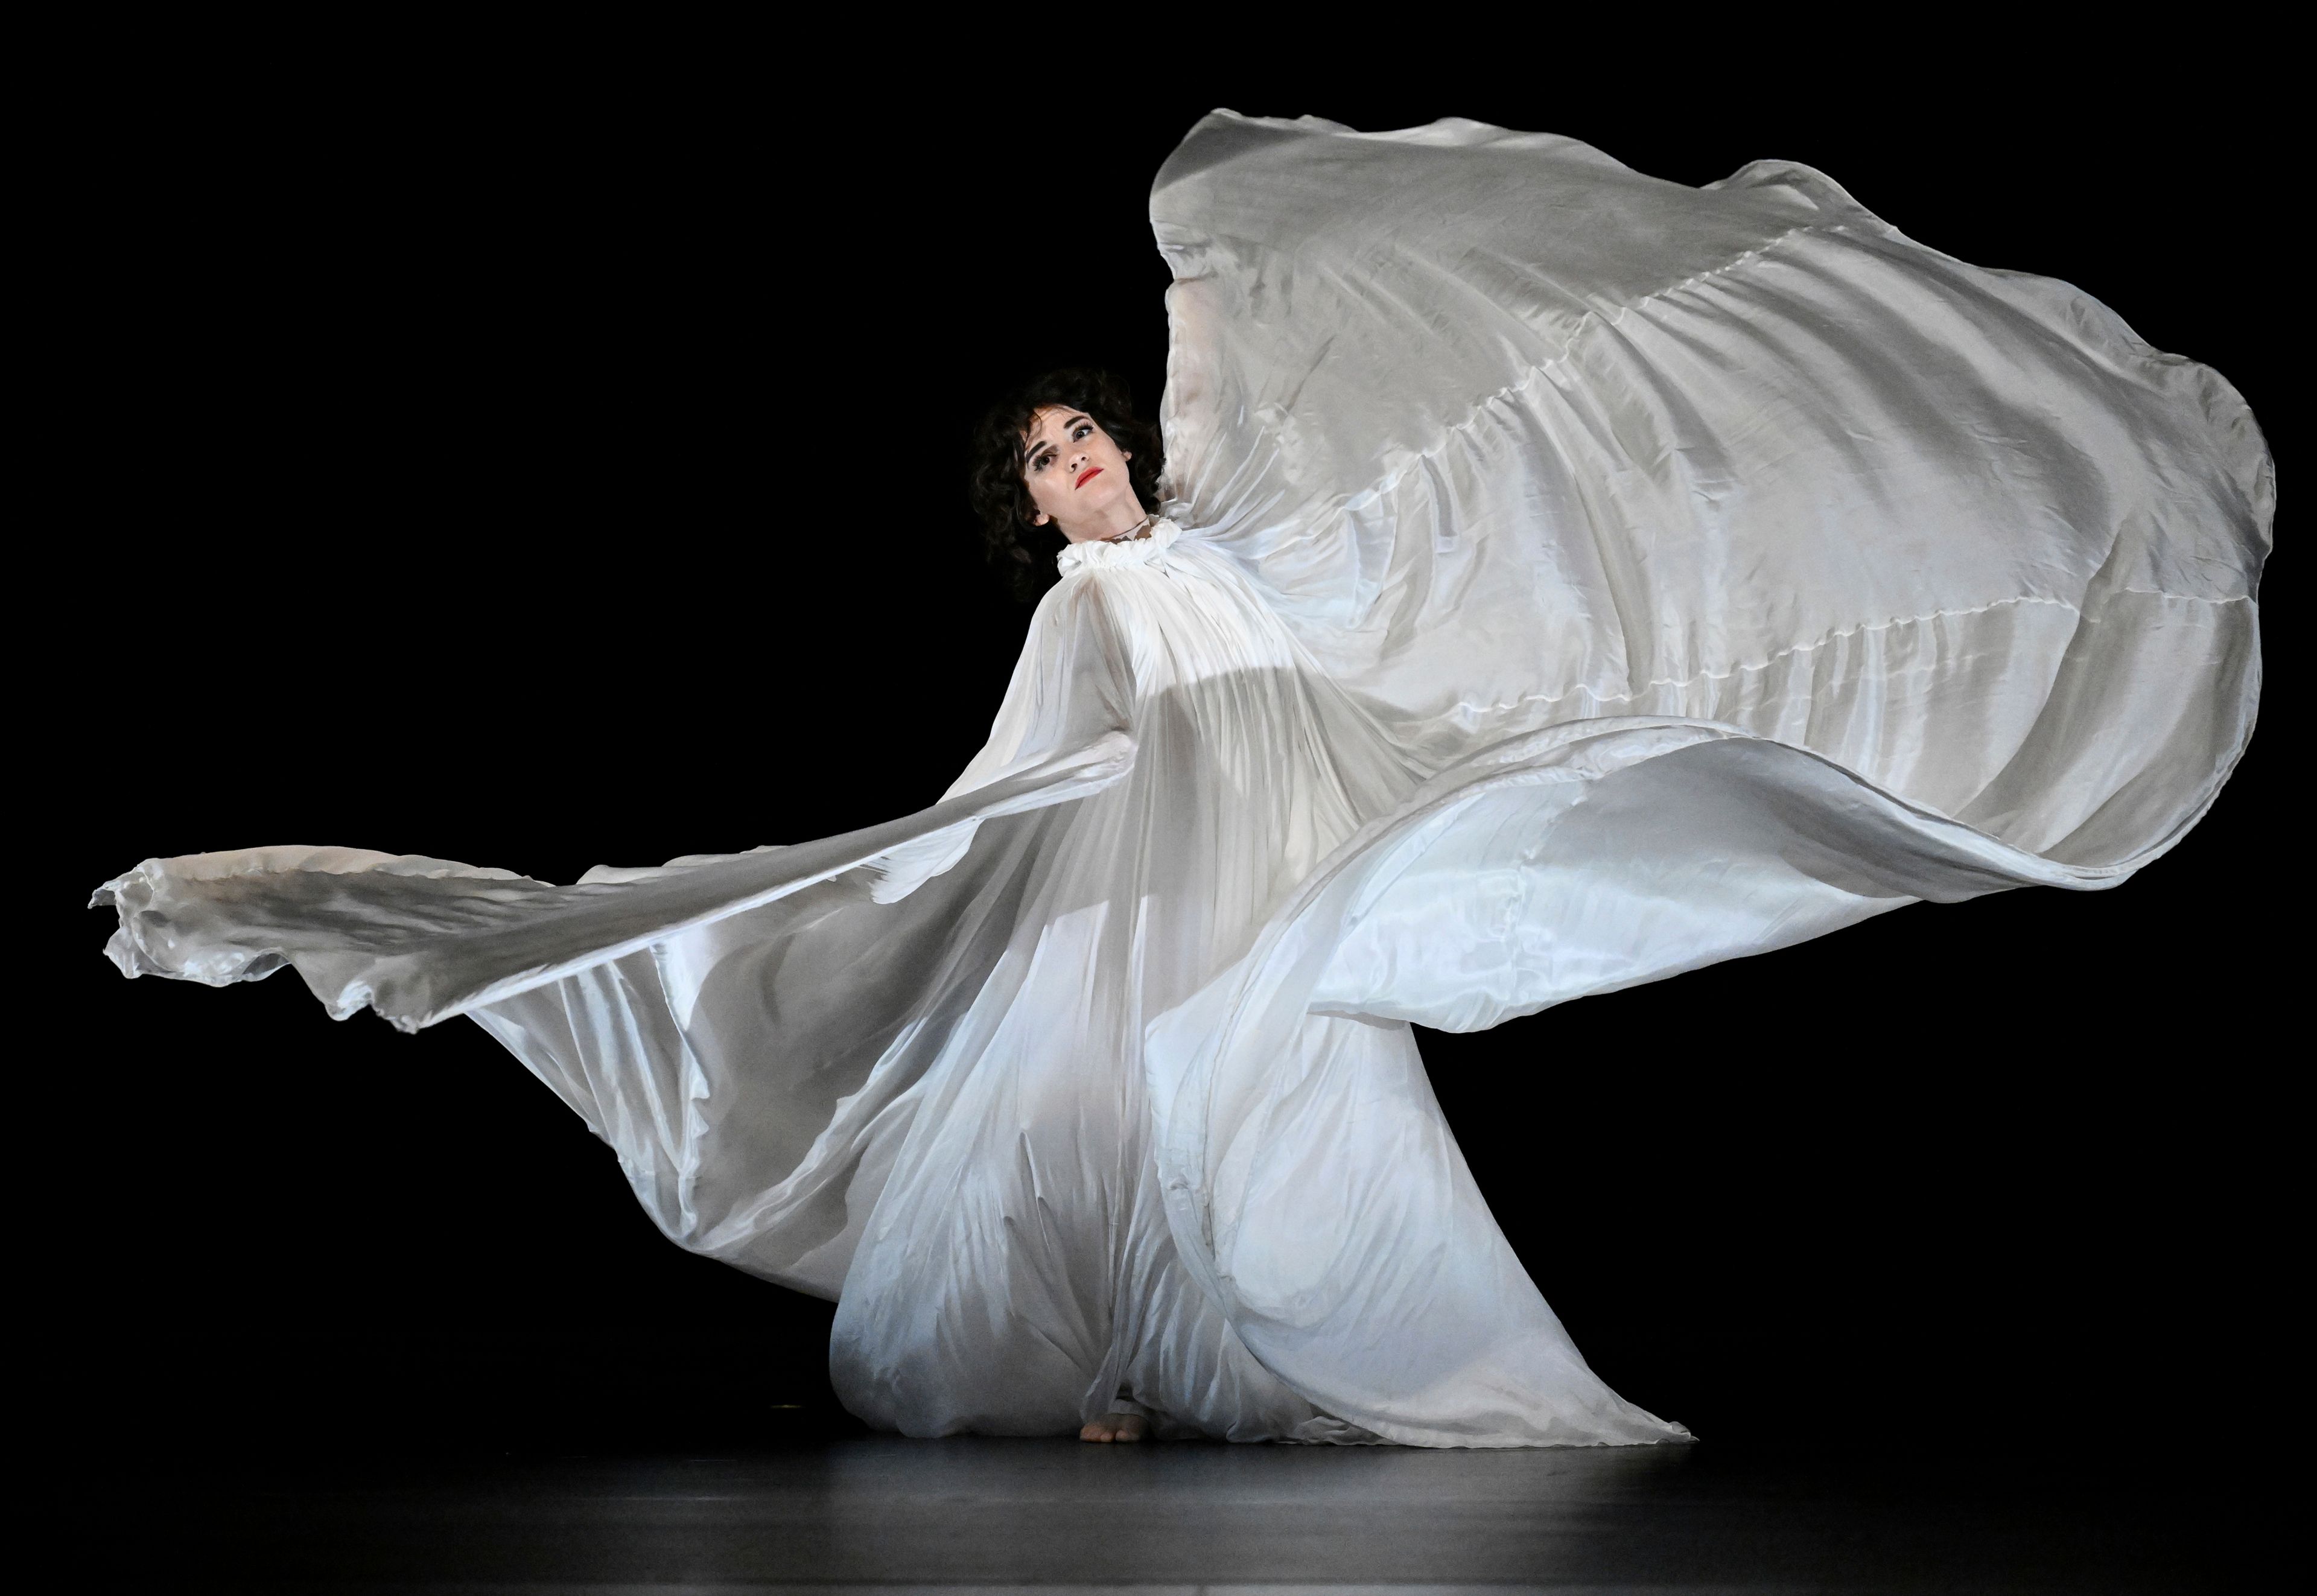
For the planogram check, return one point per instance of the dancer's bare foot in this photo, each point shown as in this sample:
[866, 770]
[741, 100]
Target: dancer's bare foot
[1116, 1427]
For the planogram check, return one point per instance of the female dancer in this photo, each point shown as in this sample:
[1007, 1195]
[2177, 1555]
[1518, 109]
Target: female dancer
[1561, 578]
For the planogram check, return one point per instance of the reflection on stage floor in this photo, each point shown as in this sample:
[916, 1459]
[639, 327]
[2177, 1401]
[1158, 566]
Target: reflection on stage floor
[860, 1512]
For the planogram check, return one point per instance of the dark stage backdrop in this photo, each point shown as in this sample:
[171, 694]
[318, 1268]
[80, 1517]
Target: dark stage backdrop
[541, 468]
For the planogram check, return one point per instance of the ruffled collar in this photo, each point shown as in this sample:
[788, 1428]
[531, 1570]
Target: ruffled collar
[1099, 556]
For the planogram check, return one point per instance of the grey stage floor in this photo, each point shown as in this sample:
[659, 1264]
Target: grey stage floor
[865, 1513]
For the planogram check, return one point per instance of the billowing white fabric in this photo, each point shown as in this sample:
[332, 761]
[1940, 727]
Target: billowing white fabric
[1572, 578]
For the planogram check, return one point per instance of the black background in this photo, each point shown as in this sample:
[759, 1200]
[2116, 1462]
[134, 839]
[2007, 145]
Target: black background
[543, 456]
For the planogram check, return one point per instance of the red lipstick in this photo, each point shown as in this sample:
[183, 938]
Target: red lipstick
[1086, 475]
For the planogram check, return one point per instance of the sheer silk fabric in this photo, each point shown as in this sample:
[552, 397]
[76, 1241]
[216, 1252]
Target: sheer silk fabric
[1573, 578]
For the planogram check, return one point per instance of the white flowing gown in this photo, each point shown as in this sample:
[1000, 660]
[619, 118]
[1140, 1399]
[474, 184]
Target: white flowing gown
[1572, 579]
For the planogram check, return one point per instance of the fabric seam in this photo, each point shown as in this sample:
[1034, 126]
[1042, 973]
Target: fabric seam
[1835, 636]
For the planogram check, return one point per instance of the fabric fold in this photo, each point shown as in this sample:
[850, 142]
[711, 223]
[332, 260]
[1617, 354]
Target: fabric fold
[423, 940]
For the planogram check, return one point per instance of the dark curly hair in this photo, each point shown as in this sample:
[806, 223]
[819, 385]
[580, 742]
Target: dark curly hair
[1001, 496]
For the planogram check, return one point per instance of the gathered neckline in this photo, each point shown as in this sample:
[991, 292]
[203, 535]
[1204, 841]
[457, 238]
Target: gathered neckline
[1102, 556]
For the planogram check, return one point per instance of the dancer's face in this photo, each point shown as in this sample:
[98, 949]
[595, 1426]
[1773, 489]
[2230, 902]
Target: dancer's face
[1077, 475]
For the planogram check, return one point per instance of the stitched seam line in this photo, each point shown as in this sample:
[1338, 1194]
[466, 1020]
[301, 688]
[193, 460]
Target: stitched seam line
[1531, 374]
[1804, 648]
